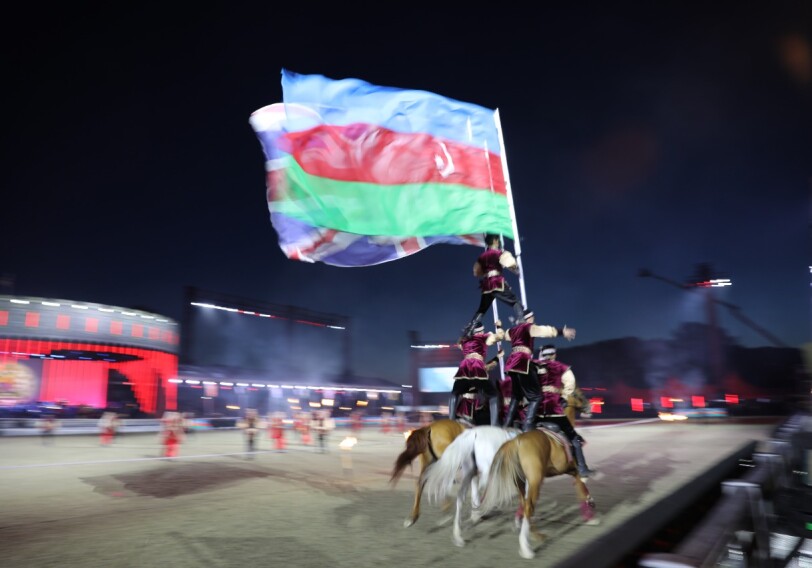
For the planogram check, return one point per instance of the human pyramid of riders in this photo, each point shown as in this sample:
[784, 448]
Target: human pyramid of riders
[534, 389]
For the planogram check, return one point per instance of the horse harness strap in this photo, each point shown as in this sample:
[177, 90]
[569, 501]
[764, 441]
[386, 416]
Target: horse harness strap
[431, 448]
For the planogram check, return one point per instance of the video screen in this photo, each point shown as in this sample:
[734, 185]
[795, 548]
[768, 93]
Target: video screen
[436, 379]
[19, 381]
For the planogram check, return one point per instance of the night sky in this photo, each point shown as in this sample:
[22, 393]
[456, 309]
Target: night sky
[653, 138]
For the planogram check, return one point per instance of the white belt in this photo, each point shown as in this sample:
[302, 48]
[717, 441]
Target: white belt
[521, 349]
[548, 388]
[493, 273]
[476, 356]
[469, 395]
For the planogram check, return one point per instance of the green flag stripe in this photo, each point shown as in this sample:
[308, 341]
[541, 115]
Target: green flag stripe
[405, 210]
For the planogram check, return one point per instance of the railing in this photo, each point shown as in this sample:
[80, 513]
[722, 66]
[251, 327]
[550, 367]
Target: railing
[760, 519]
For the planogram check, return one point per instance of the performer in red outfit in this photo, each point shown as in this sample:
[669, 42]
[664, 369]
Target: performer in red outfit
[108, 426]
[171, 433]
[489, 268]
[557, 383]
[356, 423]
[472, 375]
[524, 378]
[276, 428]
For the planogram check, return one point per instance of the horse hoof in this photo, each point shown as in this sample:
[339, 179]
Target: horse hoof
[588, 510]
[593, 522]
[475, 518]
[459, 541]
[528, 554]
[408, 522]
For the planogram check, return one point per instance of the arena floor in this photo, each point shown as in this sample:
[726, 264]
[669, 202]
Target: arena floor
[75, 503]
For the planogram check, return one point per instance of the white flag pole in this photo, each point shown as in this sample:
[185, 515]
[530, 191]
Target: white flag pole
[517, 243]
[517, 246]
[501, 360]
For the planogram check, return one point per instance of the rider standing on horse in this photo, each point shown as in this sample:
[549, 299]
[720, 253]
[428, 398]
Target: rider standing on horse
[557, 383]
[523, 374]
[472, 374]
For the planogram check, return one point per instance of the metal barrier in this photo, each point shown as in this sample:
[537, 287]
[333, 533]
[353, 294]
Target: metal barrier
[752, 523]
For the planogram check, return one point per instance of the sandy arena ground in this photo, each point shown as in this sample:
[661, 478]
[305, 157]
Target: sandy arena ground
[76, 504]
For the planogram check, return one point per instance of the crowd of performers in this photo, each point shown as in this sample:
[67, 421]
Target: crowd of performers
[310, 426]
[533, 389]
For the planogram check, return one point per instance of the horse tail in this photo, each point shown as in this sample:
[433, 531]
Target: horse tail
[504, 478]
[416, 444]
[439, 477]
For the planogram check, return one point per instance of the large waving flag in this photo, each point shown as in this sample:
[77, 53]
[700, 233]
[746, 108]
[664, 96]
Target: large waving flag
[359, 174]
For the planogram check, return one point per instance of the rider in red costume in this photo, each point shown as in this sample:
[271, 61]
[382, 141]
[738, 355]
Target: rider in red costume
[557, 383]
[489, 267]
[523, 374]
[472, 374]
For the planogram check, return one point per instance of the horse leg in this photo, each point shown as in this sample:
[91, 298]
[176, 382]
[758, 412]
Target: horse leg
[476, 514]
[525, 549]
[456, 533]
[533, 486]
[587, 503]
[517, 519]
[418, 493]
[468, 479]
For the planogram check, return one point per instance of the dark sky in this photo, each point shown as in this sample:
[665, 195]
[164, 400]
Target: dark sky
[652, 137]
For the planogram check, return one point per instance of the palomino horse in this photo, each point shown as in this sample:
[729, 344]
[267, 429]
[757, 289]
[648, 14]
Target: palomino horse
[467, 458]
[520, 467]
[429, 443]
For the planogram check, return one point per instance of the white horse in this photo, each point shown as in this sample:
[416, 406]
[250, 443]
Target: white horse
[468, 457]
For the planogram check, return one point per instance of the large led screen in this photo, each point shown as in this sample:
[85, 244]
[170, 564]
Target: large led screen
[436, 379]
[19, 381]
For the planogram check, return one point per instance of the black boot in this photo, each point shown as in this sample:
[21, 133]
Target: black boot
[530, 417]
[511, 412]
[452, 406]
[468, 329]
[519, 311]
[578, 450]
[493, 408]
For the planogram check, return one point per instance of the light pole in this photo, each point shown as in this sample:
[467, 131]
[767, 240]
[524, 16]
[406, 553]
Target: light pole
[734, 310]
[705, 279]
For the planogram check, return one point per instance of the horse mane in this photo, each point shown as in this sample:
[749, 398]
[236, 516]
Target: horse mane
[416, 444]
[579, 399]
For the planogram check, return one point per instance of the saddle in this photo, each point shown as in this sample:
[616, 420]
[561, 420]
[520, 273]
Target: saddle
[554, 432]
